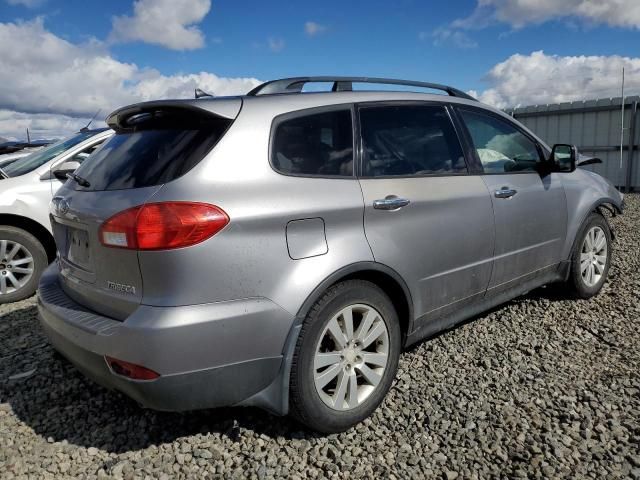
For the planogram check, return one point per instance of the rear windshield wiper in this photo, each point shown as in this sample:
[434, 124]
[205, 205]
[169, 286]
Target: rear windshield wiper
[83, 182]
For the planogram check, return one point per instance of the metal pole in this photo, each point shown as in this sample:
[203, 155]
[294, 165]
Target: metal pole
[632, 137]
[622, 122]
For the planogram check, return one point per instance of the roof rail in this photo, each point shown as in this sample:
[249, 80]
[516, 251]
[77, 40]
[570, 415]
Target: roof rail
[341, 84]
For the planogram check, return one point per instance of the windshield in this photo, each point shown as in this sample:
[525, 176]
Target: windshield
[37, 159]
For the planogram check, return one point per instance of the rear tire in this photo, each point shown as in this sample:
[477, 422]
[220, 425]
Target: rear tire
[345, 358]
[591, 258]
[22, 261]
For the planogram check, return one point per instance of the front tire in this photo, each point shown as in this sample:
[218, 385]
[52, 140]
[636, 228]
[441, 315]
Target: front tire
[591, 258]
[346, 357]
[22, 261]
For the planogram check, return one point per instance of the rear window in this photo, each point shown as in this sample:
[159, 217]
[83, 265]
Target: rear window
[151, 152]
[319, 144]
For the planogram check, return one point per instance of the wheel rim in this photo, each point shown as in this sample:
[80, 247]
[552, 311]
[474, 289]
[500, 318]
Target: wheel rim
[351, 357]
[16, 266]
[593, 256]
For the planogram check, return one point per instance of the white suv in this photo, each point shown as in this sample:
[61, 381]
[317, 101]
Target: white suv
[26, 188]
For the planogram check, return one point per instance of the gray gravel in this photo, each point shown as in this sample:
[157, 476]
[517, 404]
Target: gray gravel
[542, 387]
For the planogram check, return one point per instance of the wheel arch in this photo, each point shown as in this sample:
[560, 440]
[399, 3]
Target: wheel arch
[34, 228]
[379, 274]
[275, 397]
[607, 204]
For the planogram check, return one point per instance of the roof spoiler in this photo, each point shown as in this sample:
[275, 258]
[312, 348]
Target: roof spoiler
[228, 109]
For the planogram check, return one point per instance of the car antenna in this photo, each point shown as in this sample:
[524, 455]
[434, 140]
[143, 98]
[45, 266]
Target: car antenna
[86, 127]
[199, 93]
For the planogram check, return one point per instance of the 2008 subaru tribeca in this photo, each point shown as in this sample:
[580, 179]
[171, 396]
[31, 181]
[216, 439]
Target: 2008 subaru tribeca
[279, 249]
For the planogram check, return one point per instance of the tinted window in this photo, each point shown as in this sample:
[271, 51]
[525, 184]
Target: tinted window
[318, 144]
[145, 157]
[410, 140]
[500, 145]
[37, 159]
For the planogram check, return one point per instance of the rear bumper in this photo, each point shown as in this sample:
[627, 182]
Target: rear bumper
[207, 356]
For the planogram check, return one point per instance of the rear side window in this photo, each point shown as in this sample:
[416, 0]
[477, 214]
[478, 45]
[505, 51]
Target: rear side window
[319, 144]
[409, 140]
[151, 152]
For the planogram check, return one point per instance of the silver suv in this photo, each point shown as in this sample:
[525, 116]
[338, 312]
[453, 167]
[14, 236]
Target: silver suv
[279, 249]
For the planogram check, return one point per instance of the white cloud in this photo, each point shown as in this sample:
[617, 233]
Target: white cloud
[312, 29]
[60, 81]
[13, 125]
[518, 13]
[27, 3]
[538, 79]
[169, 23]
[445, 35]
[275, 44]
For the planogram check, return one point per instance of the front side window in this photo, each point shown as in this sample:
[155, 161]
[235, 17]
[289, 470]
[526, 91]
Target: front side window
[319, 144]
[501, 147]
[409, 140]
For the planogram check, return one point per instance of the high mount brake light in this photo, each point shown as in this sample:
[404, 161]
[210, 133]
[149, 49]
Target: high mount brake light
[163, 226]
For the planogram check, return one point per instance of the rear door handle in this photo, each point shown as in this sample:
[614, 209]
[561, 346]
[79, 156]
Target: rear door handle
[505, 192]
[390, 202]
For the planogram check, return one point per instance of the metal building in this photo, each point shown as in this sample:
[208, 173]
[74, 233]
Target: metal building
[594, 126]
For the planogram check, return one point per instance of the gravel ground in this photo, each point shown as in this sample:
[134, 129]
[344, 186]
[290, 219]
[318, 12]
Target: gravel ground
[541, 387]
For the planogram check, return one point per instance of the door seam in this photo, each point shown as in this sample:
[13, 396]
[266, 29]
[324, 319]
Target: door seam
[495, 240]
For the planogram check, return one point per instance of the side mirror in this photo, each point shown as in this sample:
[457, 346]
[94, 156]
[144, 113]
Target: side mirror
[563, 157]
[61, 170]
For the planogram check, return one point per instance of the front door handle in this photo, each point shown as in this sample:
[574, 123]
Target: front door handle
[390, 202]
[505, 192]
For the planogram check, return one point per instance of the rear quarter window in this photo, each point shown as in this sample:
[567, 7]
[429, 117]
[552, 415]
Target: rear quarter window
[153, 153]
[314, 144]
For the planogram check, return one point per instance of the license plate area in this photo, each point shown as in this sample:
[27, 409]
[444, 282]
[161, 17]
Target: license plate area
[79, 250]
[74, 247]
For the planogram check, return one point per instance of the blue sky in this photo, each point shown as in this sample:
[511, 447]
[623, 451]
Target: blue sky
[362, 38]
[483, 49]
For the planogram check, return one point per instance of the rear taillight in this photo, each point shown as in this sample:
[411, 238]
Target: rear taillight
[162, 226]
[130, 370]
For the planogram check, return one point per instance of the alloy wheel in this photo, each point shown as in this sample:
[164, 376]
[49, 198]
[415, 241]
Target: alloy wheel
[351, 357]
[593, 256]
[16, 266]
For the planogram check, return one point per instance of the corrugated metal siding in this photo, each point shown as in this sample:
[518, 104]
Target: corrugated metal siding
[589, 124]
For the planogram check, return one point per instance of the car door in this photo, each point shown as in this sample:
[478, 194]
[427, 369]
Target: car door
[529, 205]
[425, 216]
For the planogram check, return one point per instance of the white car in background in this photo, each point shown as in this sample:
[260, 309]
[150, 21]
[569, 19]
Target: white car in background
[26, 188]
[6, 158]
[9, 158]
